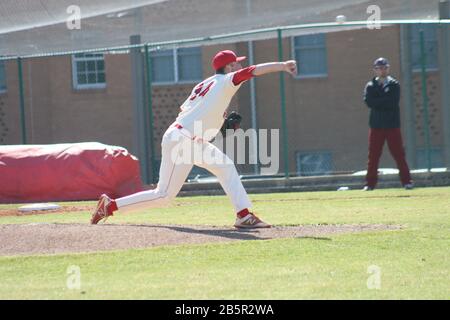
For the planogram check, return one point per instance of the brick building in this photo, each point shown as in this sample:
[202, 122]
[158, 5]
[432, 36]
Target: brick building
[90, 97]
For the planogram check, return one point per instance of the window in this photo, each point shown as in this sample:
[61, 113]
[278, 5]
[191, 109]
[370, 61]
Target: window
[189, 64]
[431, 46]
[2, 77]
[314, 163]
[311, 55]
[163, 66]
[88, 71]
[176, 65]
[437, 158]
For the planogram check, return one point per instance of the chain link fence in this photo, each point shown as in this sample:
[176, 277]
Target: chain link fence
[129, 95]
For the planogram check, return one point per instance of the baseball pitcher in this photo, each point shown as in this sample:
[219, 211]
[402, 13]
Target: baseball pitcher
[200, 119]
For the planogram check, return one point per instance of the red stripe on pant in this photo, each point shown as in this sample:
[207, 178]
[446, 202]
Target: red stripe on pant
[377, 137]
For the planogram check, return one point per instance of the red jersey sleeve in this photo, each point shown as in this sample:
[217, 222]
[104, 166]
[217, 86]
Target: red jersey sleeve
[243, 75]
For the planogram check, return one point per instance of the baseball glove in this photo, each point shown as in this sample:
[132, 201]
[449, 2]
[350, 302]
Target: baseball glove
[232, 121]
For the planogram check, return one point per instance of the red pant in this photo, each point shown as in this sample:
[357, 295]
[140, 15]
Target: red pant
[377, 137]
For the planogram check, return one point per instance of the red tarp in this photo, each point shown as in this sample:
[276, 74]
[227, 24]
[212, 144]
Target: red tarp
[63, 172]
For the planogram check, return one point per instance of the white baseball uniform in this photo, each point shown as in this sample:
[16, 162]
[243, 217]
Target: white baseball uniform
[204, 108]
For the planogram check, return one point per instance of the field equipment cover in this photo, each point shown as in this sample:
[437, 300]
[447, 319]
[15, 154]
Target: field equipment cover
[66, 172]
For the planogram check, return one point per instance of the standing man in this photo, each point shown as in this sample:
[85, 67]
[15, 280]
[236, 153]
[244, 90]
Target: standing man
[382, 96]
[200, 119]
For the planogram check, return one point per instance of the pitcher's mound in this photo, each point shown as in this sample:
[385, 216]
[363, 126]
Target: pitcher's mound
[44, 238]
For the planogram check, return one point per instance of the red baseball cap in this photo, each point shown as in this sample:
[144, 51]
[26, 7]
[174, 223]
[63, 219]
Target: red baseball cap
[222, 58]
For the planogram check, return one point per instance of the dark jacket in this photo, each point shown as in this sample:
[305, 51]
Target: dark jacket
[384, 103]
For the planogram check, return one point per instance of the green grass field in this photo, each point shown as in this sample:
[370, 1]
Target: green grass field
[413, 262]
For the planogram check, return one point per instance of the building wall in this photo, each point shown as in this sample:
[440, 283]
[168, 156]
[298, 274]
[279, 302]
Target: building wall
[102, 115]
[57, 113]
[328, 113]
[323, 114]
[10, 130]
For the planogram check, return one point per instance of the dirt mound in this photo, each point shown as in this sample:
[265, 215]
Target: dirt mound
[44, 238]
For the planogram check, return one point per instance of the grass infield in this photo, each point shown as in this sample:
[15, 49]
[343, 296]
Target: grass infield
[411, 263]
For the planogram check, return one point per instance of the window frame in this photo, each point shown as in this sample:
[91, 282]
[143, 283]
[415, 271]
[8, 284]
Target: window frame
[176, 71]
[309, 76]
[165, 83]
[78, 86]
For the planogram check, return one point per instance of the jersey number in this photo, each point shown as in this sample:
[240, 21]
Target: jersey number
[200, 92]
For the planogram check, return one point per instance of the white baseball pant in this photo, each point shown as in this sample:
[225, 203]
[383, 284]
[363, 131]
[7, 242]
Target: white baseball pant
[179, 153]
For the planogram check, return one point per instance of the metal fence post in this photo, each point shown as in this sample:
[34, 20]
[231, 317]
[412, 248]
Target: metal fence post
[426, 122]
[140, 146]
[408, 97]
[283, 107]
[22, 101]
[148, 78]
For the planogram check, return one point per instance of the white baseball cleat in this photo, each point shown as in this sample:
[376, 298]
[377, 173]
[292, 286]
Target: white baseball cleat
[250, 221]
